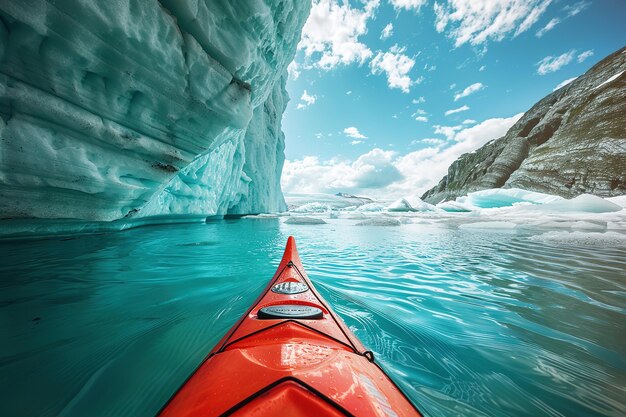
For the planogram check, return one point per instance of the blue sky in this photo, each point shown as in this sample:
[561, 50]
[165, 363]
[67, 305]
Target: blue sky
[373, 119]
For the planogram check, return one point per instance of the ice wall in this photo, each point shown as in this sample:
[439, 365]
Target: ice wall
[139, 107]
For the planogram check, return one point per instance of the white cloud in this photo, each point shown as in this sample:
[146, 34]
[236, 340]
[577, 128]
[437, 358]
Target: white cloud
[330, 36]
[554, 63]
[307, 100]
[407, 4]
[448, 131]
[576, 8]
[478, 21]
[471, 89]
[372, 170]
[387, 31]
[356, 142]
[353, 132]
[564, 83]
[430, 68]
[421, 119]
[293, 70]
[469, 121]
[584, 55]
[319, 135]
[419, 112]
[458, 110]
[348, 92]
[386, 174]
[418, 100]
[430, 141]
[482, 68]
[548, 27]
[397, 67]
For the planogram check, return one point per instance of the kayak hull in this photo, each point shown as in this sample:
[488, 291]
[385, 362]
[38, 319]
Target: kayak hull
[273, 363]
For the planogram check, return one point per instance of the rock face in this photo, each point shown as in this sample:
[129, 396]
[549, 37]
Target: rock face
[143, 107]
[571, 142]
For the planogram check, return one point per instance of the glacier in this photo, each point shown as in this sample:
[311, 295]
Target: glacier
[114, 111]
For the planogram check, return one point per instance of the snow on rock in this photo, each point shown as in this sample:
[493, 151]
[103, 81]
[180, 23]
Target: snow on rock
[143, 107]
[607, 239]
[380, 221]
[304, 220]
[608, 80]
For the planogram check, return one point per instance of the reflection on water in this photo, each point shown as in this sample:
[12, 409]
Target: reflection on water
[469, 323]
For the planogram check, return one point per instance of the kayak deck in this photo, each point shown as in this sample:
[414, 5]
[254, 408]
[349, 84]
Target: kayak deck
[289, 355]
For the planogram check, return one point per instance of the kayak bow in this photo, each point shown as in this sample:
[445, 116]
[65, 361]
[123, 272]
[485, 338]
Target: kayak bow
[289, 355]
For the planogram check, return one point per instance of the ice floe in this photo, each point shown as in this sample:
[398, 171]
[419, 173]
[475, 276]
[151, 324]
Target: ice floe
[304, 220]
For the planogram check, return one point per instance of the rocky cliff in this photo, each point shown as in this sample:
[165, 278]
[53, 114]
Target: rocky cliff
[571, 142]
[134, 108]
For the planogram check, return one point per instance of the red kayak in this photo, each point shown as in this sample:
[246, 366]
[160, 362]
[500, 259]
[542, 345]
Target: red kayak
[290, 355]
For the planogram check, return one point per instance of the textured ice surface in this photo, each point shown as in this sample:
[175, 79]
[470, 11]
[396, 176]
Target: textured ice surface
[304, 220]
[489, 225]
[514, 210]
[586, 203]
[453, 207]
[323, 202]
[502, 197]
[607, 239]
[140, 108]
[411, 203]
[380, 221]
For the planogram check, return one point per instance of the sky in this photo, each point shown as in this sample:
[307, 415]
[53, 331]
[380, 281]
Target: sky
[386, 94]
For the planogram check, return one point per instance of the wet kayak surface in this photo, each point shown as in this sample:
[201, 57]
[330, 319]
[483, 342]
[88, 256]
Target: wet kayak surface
[467, 322]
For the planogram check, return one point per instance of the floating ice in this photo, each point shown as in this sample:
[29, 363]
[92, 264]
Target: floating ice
[453, 207]
[607, 239]
[588, 226]
[411, 203]
[380, 221]
[316, 203]
[496, 225]
[304, 220]
[585, 203]
[313, 207]
[504, 197]
[371, 207]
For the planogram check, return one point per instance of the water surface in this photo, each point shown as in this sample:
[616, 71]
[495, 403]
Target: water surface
[467, 322]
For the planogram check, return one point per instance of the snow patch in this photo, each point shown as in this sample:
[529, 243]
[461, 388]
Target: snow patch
[608, 80]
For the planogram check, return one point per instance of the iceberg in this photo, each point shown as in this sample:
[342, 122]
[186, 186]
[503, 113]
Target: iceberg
[412, 203]
[304, 220]
[114, 110]
[505, 197]
[378, 221]
[585, 203]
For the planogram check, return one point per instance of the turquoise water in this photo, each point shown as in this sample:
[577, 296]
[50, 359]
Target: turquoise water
[469, 323]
